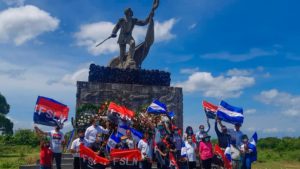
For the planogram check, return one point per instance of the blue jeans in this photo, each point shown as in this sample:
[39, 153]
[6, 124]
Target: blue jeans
[246, 163]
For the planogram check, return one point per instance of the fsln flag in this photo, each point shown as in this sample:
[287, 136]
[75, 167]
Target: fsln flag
[230, 114]
[91, 156]
[252, 146]
[156, 107]
[50, 112]
[221, 153]
[210, 109]
[124, 112]
[127, 155]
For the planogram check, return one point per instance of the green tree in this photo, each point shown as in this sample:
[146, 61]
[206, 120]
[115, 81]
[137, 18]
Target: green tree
[5, 124]
[25, 137]
[4, 106]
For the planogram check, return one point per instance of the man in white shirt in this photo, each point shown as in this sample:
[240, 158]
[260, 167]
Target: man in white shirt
[91, 133]
[78, 162]
[146, 146]
[56, 141]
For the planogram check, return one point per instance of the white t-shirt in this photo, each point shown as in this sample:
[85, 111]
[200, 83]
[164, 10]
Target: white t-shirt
[236, 135]
[145, 148]
[130, 143]
[190, 151]
[235, 153]
[56, 139]
[75, 145]
[92, 132]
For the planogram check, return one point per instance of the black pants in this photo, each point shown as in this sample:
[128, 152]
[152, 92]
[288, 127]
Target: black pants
[78, 163]
[192, 164]
[206, 163]
[146, 164]
[57, 157]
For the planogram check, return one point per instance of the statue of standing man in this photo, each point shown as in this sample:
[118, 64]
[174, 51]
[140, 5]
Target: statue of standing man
[126, 26]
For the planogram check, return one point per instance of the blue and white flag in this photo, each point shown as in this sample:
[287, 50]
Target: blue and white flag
[230, 114]
[137, 136]
[252, 146]
[183, 150]
[112, 141]
[171, 114]
[122, 129]
[156, 107]
[227, 152]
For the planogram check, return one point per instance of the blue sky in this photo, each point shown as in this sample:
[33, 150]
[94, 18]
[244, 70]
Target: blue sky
[246, 52]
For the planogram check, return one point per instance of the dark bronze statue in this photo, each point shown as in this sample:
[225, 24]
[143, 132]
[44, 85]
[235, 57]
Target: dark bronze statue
[136, 54]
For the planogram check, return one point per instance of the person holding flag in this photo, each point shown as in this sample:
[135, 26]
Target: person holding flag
[92, 132]
[145, 145]
[248, 150]
[56, 141]
[78, 162]
[224, 138]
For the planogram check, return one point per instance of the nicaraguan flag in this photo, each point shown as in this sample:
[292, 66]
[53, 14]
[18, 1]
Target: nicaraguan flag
[227, 153]
[230, 114]
[113, 141]
[252, 146]
[156, 107]
[137, 136]
[183, 150]
[122, 129]
[171, 114]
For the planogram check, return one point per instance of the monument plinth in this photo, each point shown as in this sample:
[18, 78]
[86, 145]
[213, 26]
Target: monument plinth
[132, 88]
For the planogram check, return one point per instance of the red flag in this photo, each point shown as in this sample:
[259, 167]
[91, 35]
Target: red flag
[122, 110]
[173, 160]
[91, 156]
[221, 153]
[50, 112]
[209, 109]
[128, 155]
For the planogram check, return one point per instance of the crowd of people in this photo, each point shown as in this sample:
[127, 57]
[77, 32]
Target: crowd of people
[163, 143]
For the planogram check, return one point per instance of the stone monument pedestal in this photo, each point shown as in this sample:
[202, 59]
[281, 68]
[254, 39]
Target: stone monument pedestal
[120, 85]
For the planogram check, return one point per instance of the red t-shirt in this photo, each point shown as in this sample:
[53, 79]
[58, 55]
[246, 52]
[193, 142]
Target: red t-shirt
[45, 156]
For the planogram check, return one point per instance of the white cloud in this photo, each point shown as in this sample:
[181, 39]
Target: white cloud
[218, 87]
[250, 111]
[91, 34]
[189, 70]
[79, 75]
[288, 103]
[14, 2]
[239, 72]
[252, 53]
[192, 26]
[24, 23]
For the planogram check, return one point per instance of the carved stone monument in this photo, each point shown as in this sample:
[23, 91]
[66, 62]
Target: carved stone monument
[124, 81]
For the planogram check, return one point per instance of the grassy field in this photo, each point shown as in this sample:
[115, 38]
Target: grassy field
[11, 157]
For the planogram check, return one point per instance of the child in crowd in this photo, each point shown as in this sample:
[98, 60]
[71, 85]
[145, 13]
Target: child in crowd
[45, 154]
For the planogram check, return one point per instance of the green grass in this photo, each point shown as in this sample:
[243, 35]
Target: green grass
[11, 157]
